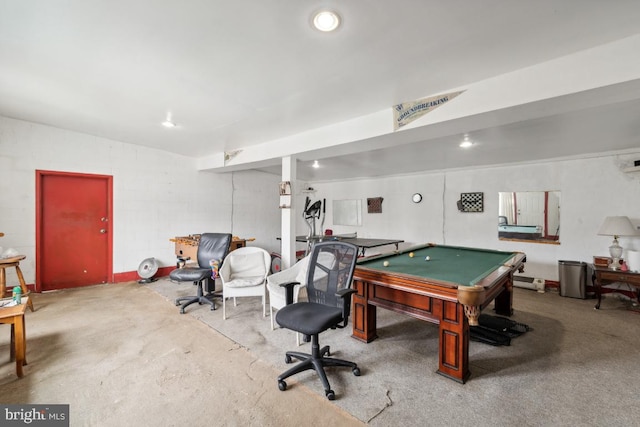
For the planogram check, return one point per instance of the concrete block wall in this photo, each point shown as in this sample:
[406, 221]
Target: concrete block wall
[255, 208]
[156, 195]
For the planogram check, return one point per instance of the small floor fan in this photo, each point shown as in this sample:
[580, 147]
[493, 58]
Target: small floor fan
[147, 269]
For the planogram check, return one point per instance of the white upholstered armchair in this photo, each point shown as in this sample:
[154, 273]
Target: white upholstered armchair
[244, 273]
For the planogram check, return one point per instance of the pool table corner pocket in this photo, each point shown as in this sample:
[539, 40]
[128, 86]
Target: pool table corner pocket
[471, 297]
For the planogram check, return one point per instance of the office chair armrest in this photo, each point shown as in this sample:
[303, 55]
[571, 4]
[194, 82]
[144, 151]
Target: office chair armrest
[289, 291]
[345, 294]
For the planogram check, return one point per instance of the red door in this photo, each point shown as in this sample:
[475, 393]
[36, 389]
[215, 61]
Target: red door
[73, 231]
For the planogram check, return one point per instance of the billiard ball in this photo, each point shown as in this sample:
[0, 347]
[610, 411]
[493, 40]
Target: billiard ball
[410, 254]
[386, 263]
[427, 258]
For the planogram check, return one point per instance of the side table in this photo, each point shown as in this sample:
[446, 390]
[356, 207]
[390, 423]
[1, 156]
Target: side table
[604, 276]
[15, 317]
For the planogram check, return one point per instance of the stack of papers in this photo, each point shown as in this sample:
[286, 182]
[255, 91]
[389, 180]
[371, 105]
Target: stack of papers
[9, 302]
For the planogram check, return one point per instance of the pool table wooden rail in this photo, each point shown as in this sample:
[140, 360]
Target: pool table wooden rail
[434, 301]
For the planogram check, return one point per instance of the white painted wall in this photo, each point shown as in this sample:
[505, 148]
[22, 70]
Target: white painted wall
[255, 208]
[591, 189]
[156, 195]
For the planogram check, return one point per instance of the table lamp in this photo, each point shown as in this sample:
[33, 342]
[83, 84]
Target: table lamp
[616, 226]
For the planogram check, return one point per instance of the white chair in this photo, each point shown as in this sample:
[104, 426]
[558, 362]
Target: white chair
[277, 293]
[244, 273]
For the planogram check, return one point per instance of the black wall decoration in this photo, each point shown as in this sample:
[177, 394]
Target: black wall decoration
[471, 202]
[374, 205]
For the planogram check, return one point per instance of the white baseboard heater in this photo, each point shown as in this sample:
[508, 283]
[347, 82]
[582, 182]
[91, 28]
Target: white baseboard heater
[533, 283]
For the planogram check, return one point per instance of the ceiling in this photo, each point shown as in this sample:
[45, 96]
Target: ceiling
[236, 75]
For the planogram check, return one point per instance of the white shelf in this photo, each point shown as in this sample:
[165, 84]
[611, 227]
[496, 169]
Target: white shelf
[631, 169]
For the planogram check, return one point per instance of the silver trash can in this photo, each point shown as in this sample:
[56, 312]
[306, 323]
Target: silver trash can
[573, 279]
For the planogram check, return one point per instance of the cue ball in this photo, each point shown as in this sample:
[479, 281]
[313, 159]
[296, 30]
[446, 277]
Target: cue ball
[386, 263]
[410, 254]
[427, 258]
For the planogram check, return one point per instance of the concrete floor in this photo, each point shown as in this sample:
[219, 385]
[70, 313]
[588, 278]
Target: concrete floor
[121, 355]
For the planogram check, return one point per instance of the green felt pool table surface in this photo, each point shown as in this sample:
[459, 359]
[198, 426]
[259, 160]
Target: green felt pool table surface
[450, 289]
[458, 265]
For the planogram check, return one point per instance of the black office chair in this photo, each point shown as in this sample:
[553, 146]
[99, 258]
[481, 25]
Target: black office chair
[328, 282]
[212, 246]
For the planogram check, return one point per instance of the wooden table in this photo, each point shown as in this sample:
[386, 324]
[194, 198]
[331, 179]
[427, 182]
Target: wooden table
[604, 276]
[15, 317]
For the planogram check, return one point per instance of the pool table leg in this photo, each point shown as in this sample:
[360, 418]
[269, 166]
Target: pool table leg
[504, 300]
[453, 358]
[363, 313]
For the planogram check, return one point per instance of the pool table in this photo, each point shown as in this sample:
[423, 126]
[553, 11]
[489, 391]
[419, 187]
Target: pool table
[450, 289]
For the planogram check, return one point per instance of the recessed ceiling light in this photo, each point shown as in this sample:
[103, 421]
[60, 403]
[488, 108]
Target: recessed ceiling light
[315, 164]
[326, 20]
[465, 142]
[168, 123]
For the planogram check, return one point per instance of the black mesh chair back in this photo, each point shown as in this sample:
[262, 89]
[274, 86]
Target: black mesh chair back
[330, 269]
[329, 275]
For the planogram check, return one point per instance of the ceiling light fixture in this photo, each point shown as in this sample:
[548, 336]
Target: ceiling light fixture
[465, 142]
[315, 164]
[168, 123]
[326, 21]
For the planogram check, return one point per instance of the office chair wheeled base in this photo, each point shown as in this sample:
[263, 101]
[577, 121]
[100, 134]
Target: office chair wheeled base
[201, 298]
[316, 361]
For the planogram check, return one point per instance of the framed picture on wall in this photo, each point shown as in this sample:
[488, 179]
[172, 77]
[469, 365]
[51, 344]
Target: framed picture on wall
[285, 188]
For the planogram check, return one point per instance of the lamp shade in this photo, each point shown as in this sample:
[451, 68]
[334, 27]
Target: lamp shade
[617, 226]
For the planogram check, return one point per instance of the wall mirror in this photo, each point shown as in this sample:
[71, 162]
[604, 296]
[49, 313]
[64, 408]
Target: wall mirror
[532, 216]
[347, 212]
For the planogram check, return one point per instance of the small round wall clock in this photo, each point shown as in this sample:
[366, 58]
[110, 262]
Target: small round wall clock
[417, 198]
